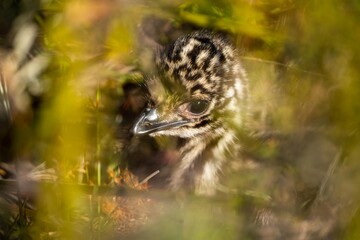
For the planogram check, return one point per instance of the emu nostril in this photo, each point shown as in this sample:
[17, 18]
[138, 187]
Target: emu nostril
[151, 115]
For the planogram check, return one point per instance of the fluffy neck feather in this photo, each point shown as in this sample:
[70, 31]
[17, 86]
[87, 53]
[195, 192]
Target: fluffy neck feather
[201, 161]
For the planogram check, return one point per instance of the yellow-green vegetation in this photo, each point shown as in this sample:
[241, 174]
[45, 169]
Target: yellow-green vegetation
[302, 58]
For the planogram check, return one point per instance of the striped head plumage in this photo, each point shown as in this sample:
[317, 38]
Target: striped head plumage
[198, 93]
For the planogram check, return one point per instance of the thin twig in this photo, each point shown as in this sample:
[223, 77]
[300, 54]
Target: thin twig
[149, 177]
[329, 173]
[281, 64]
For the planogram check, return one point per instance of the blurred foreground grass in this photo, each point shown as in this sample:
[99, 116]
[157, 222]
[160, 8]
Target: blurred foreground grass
[302, 59]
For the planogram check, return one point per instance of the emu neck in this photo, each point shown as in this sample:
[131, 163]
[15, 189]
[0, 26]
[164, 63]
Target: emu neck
[201, 161]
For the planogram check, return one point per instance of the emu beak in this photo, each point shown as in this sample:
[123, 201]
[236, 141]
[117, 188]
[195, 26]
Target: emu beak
[148, 122]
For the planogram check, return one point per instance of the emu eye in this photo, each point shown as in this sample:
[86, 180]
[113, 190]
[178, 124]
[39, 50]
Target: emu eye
[197, 107]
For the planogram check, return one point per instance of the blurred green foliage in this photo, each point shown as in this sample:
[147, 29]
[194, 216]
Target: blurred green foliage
[302, 58]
